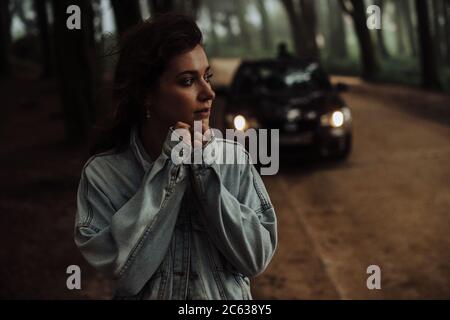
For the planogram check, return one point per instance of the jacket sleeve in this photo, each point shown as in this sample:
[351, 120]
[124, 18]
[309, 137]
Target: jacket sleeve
[130, 242]
[243, 227]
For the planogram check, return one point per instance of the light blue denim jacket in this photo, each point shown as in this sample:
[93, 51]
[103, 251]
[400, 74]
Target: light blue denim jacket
[166, 231]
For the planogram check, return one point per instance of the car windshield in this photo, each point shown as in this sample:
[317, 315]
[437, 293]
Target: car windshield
[281, 79]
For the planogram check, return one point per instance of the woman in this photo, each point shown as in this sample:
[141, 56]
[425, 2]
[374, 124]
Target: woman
[164, 230]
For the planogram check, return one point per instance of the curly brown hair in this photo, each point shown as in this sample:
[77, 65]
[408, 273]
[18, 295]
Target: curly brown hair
[145, 52]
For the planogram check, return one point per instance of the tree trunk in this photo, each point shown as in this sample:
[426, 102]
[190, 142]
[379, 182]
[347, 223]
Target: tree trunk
[161, 6]
[5, 38]
[231, 38]
[44, 35]
[447, 29]
[195, 7]
[98, 19]
[379, 32]
[267, 41]
[19, 11]
[75, 55]
[400, 24]
[296, 29]
[405, 8]
[309, 27]
[430, 78]
[338, 35]
[369, 63]
[240, 7]
[127, 14]
[439, 42]
[214, 47]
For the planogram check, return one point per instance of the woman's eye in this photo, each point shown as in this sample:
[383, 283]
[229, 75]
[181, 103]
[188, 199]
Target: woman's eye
[187, 82]
[208, 77]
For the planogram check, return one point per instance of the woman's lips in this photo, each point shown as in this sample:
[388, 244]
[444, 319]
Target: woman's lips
[203, 113]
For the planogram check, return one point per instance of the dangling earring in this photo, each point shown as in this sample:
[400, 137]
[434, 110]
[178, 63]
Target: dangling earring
[147, 113]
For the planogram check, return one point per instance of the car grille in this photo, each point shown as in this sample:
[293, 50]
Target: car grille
[283, 126]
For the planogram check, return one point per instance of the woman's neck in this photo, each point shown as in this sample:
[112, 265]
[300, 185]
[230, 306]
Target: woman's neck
[152, 135]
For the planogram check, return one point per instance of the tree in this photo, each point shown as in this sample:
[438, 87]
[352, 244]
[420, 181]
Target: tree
[240, 8]
[302, 19]
[430, 78]
[405, 8]
[338, 35]
[356, 10]
[161, 6]
[75, 55]
[267, 41]
[5, 38]
[127, 14]
[18, 9]
[447, 28]
[309, 21]
[44, 35]
[439, 29]
[379, 32]
[187, 7]
[401, 28]
[214, 46]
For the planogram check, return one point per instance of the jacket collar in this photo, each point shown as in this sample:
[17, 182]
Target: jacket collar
[138, 149]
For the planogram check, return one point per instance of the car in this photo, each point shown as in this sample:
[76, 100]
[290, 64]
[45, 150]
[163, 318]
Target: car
[294, 96]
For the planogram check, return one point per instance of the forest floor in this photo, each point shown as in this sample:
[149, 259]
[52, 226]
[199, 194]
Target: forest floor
[388, 205]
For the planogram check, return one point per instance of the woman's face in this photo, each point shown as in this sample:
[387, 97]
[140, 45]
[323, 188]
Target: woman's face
[184, 93]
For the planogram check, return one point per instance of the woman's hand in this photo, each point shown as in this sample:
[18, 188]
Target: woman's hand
[194, 138]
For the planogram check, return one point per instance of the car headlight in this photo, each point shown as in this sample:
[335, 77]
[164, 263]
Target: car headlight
[240, 123]
[336, 118]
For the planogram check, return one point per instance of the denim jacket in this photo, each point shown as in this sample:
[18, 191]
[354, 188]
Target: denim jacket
[167, 231]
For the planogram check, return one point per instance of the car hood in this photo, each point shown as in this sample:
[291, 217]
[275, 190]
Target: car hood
[276, 107]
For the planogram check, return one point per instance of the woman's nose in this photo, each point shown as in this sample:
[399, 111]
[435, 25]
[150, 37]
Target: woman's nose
[206, 93]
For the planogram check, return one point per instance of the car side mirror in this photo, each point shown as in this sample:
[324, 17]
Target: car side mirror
[341, 87]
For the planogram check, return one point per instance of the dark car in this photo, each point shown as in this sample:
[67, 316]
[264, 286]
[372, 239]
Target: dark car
[295, 97]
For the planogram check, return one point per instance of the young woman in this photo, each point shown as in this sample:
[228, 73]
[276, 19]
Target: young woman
[161, 229]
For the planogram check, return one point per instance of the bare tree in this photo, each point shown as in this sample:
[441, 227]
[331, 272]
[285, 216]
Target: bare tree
[430, 78]
[356, 10]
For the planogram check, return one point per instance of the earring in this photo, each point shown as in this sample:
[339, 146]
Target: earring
[147, 113]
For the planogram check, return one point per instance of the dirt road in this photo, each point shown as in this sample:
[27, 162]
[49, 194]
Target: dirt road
[388, 205]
